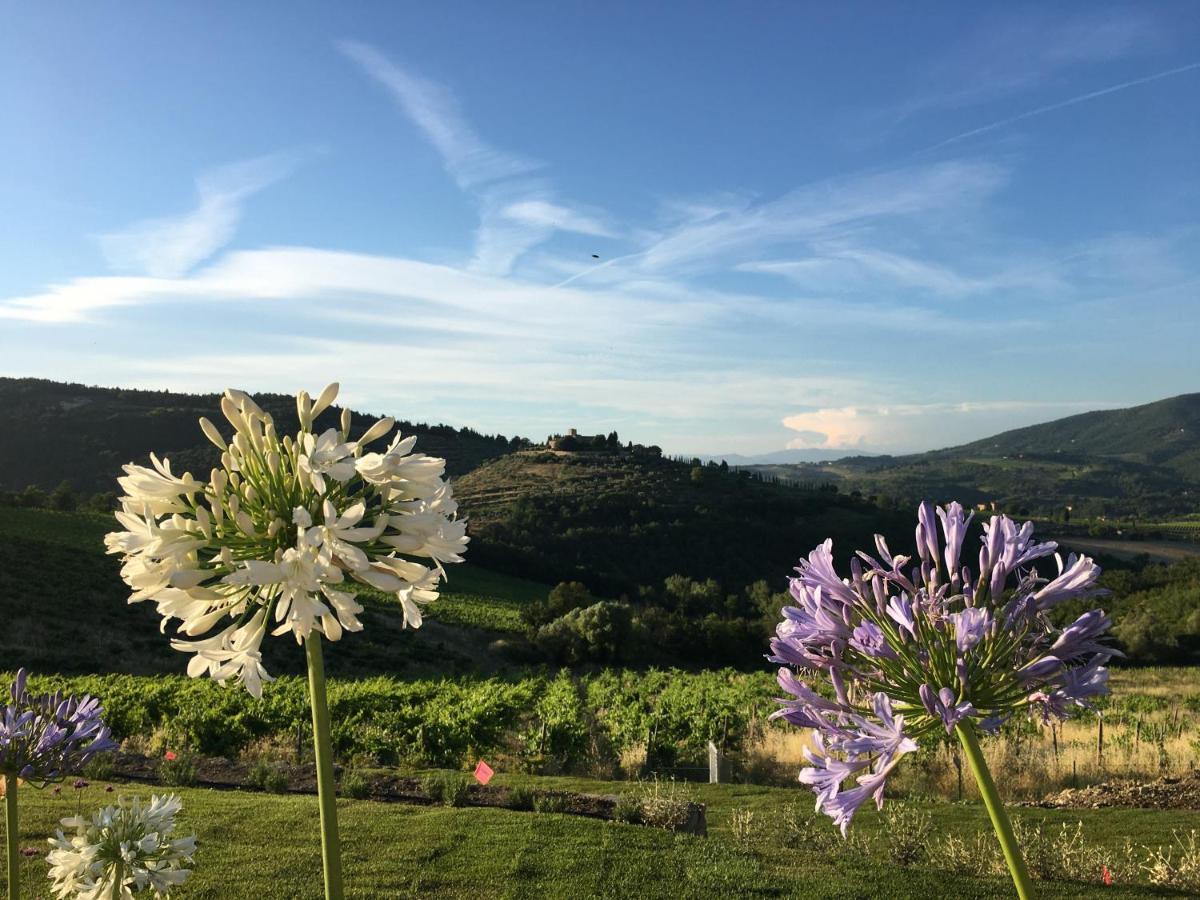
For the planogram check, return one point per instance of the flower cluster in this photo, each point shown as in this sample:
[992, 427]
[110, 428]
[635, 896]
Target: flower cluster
[42, 737]
[122, 850]
[280, 530]
[911, 650]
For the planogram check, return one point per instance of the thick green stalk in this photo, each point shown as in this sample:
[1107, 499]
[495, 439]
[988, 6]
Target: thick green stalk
[995, 808]
[331, 849]
[12, 837]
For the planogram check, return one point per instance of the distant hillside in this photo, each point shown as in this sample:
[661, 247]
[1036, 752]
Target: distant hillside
[54, 432]
[65, 609]
[1165, 434]
[621, 520]
[1142, 461]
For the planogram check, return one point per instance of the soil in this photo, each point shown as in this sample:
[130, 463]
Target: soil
[1165, 793]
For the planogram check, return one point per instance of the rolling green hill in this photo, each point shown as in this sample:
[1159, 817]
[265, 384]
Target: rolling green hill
[1141, 461]
[617, 521]
[54, 432]
[64, 609]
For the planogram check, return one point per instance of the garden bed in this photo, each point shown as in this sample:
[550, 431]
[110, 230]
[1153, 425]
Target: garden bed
[228, 774]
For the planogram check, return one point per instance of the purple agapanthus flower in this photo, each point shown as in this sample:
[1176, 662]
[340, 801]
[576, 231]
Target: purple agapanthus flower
[910, 651]
[43, 737]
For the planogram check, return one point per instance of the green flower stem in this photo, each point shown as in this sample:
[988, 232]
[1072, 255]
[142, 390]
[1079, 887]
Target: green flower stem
[995, 808]
[331, 850]
[12, 837]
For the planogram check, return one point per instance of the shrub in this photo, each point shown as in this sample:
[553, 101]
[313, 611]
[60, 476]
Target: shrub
[449, 788]
[664, 804]
[177, 770]
[267, 777]
[743, 827]
[519, 797]
[355, 785]
[100, 767]
[906, 833]
[1178, 865]
[550, 803]
[978, 856]
[628, 808]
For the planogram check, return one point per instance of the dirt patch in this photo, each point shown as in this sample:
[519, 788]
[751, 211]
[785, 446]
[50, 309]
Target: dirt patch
[1165, 793]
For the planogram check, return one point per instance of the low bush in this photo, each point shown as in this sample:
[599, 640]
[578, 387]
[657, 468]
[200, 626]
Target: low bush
[550, 803]
[267, 777]
[519, 797]
[355, 785]
[449, 788]
[177, 769]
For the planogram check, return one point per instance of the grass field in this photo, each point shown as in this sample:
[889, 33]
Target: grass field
[266, 846]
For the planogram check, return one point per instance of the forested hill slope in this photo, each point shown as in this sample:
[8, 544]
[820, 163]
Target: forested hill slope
[51, 432]
[620, 520]
[1141, 462]
[1165, 433]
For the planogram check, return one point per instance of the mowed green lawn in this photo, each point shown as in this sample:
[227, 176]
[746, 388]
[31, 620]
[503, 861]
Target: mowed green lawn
[266, 846]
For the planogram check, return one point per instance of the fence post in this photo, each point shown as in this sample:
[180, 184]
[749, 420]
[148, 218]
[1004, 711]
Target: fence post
[714, 764]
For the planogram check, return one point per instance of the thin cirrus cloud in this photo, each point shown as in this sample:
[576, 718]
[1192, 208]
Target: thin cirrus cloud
[1009, 54]
[169, 246]
[1063, 104]
[517, 211]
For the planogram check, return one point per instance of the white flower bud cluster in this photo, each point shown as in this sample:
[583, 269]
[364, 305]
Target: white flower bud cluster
[279, 532]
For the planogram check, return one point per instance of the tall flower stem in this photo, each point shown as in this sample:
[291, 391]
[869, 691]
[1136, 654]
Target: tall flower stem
[331, 850]
[12, 837]
[995, 808]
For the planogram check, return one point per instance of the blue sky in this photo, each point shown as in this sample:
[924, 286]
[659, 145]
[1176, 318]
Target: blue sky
[850, 228]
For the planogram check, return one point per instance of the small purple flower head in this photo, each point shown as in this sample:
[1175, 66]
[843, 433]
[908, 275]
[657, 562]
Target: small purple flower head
[44, 737]
[943, 705]
[970, 626]
[954, 527]
[888, 638]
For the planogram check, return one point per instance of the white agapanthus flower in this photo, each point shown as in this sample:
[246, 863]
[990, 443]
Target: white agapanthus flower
[121, 851]
[279, 534]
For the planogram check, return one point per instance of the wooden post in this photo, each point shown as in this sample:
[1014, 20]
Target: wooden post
[714, 764]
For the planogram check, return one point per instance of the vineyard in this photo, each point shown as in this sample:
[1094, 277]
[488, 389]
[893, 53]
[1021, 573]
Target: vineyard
[555, 723]
[623, 723]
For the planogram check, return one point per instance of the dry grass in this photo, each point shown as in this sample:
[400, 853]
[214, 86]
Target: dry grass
[1151, 728]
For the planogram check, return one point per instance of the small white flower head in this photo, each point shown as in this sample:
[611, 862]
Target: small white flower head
[122, 851]
[274, 538]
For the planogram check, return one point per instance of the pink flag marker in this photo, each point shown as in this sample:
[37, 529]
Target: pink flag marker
[483, 772]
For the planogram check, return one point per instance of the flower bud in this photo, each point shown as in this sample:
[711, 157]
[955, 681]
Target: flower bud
[345, 423]
[233, 414]
[304, 410]
[327, 397]
[376, 431]
[210, 432]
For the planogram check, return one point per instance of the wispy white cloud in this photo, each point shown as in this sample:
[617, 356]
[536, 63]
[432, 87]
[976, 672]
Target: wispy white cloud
[516, 212]
[543, 214]
[1063, 104]
[827, 210]
[1011, 53]
[468, 158]
[173, 245]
